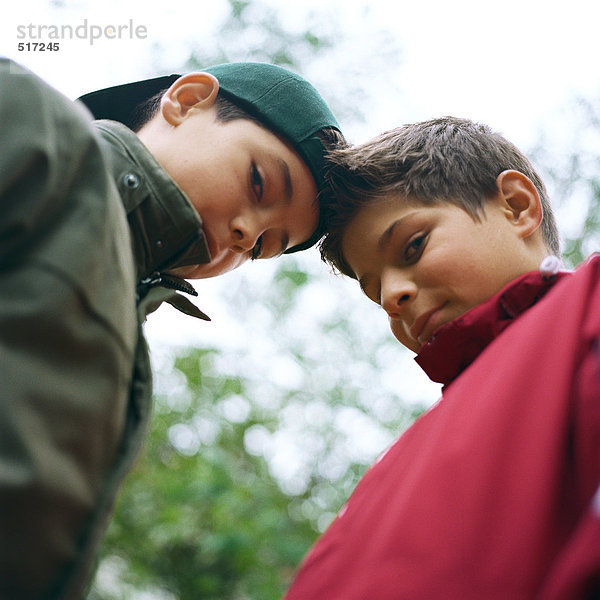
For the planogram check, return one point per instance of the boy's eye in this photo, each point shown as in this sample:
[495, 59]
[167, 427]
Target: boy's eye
[256, 181]
[257, 249]
[415, 247]
[376, 300]
[374, 295]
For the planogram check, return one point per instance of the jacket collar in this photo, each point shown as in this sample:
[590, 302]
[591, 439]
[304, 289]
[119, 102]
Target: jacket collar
[166, 229]
[457, 344]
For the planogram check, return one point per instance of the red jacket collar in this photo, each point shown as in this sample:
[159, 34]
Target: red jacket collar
[457, 344]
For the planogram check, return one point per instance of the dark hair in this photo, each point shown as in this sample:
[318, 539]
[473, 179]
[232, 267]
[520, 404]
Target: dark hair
[442, 160]
[226, 110]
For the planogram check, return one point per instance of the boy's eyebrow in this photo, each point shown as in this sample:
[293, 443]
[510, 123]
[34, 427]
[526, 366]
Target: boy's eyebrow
[285, 240]
[363, 282]
[288, 191]
[287, 180]
[386, 236]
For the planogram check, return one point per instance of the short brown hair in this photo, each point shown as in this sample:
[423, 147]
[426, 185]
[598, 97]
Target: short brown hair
[442, 160]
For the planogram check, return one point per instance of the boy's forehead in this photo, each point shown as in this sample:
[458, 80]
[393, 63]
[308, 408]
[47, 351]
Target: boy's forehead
[378, 210]
[377, 220]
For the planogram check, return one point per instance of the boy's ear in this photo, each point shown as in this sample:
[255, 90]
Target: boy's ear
[190, 91]
[520, 201]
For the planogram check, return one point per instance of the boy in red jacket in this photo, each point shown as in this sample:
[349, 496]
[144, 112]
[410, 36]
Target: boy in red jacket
[494, 492]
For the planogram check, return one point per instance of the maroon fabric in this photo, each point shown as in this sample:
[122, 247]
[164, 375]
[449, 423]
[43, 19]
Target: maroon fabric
[457, 344]
[494, 492]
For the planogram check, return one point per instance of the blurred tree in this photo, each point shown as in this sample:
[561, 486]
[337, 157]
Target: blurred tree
[318, 46]
[201, 517]
[583, 185]
[572, 174]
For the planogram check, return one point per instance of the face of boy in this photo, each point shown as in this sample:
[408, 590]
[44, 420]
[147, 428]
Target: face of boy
[253, 192]
[427, 265]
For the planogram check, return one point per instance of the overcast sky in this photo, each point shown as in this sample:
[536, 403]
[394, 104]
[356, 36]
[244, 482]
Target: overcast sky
[513, 64]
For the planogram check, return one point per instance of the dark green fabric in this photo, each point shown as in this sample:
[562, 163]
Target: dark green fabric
[166, 229]
[283, 99]
[74, 369]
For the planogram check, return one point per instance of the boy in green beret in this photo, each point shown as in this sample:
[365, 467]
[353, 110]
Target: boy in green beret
[179, 177]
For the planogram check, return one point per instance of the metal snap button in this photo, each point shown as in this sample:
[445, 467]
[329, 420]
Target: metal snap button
[131, 180]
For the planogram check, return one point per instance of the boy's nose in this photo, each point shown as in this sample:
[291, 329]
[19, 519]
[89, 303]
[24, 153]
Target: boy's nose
[244, 234]
[397, 291]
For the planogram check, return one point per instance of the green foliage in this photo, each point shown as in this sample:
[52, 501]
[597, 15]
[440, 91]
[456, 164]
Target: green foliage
[295, 276]
[254, 31]
[587, 239]
[572, 172]
[200, 517]
[238, 7]
[317, 46]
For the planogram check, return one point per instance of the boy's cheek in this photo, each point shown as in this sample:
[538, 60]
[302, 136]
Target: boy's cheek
[188, 272]
[397, 329]
[216, 267]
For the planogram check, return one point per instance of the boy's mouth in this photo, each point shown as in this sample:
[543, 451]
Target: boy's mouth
[425, 325]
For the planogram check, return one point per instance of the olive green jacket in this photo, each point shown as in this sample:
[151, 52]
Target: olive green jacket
[88, 222]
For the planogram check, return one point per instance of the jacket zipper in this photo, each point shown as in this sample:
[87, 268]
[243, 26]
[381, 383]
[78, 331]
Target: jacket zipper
[169, 281]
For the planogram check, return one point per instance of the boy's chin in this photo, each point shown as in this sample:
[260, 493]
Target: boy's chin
[211, 269]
